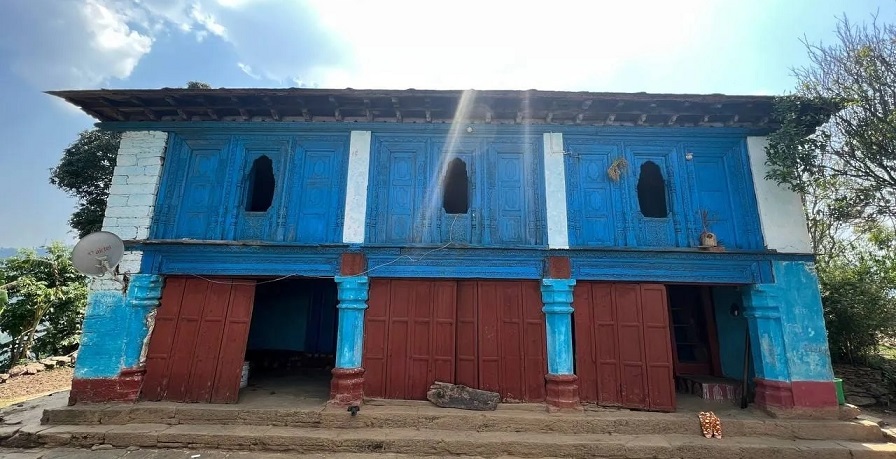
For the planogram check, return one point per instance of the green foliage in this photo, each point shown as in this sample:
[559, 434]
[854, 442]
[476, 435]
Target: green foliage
[837, 147]
[85, 172]
[198, 85]
[841, 123]
[46, 301]
[859, 305]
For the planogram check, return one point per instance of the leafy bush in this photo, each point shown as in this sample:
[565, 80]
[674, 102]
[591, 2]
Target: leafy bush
[859, 305]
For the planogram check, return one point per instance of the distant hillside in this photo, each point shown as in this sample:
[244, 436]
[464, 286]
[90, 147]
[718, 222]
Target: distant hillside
[6, 252]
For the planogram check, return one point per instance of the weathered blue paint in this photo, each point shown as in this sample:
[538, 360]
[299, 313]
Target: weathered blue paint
[802, 317]
[353, 292]
[204, 188]
[605, 212]
[506, 198]
[787, 331]
[731, 331]
[115, 327]
[556, 294]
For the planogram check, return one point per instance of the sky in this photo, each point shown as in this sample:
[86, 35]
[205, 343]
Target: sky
[682, 46]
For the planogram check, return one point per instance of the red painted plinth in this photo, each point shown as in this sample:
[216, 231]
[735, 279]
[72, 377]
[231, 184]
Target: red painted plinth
[562, 392]
[798, 394]
[347, 386]
[124, 388]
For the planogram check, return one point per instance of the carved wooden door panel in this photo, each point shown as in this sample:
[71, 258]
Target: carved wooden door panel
[513, 218]
[316, 206]
[593, 199]
[201, 198]
[400, 175]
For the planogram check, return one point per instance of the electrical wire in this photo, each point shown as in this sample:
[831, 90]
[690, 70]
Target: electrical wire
[363, 273]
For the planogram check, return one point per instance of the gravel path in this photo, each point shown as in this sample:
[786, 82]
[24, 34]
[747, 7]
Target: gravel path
[27, 386]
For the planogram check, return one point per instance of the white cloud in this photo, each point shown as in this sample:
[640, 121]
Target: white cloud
[248, 70]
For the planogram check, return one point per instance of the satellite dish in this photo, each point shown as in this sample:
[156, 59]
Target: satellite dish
[97, 253]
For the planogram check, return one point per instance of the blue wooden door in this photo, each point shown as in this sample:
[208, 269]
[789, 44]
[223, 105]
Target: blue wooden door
[456, 227]
[314, 214]
[593, 198]
[199, 209]
[399, 175]
[513, 218]
[259, 224]
[666, 226]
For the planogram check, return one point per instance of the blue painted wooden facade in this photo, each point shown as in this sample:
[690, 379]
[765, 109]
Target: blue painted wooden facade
[204, 187]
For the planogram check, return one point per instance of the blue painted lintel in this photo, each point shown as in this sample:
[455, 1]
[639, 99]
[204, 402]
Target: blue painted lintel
[556, 294]
[352, 293]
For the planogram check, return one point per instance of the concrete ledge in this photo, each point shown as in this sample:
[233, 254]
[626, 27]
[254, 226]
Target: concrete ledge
[444, 442]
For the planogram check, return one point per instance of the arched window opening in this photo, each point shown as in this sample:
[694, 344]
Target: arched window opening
[456, 188]
[261, 185]
[652, 191]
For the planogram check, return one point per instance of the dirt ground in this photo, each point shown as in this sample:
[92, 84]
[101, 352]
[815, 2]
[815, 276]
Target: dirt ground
[22, 388]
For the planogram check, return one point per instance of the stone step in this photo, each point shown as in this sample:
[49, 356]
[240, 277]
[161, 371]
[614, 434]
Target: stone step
[453, 443]
[427, 417]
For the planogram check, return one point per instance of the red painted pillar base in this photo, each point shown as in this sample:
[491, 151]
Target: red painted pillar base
[125, 388]
[800, 399]
[562, 392]
[347, 386]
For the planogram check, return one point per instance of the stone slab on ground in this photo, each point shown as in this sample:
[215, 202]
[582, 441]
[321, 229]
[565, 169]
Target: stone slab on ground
[445, 395]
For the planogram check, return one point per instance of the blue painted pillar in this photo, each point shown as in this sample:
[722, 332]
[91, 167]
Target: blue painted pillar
[114, 338]
[561, 384]
[788, 340]
[556, 294]
[347, 385]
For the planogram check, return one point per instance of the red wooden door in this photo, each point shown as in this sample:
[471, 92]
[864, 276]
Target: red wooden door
[198, 341]
[623, 345]
[408, 337]
[482, 334]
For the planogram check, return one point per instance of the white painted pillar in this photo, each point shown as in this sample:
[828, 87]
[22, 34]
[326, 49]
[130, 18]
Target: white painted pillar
[784, 226]
[355, 220]
[555, 191]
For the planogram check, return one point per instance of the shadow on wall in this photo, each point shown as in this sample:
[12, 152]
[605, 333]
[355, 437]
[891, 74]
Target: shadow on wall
[732, 332]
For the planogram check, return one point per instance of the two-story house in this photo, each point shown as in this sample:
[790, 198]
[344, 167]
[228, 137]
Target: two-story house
[557, 247]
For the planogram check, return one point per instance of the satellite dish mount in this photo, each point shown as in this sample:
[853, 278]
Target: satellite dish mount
[99, 254]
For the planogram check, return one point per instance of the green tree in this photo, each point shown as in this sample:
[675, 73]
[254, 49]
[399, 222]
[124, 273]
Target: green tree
[45, 301]
[837, 147]
[198, 85]
[85, 172]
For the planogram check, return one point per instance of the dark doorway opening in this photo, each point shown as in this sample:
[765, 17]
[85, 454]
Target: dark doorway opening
[692, 318]
[292, 338]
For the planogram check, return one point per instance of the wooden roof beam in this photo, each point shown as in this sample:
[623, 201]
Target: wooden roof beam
[337, 113]
[367, 110]
[397, 108]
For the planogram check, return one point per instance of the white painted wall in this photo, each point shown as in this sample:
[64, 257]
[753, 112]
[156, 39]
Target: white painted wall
[780, 209]
[355, 221]
[132, 195]
[555, 191]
